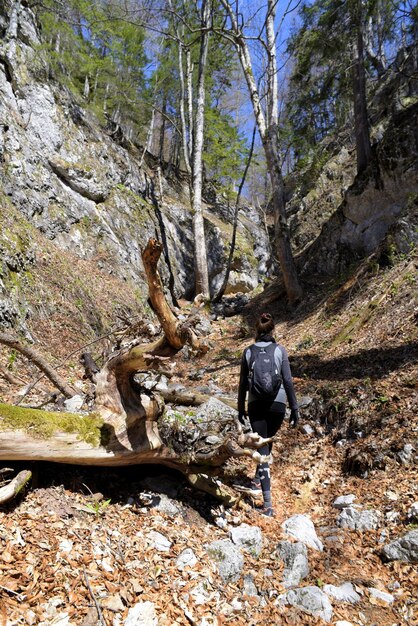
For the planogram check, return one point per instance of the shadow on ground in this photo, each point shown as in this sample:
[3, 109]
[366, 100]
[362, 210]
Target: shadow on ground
[373, 363]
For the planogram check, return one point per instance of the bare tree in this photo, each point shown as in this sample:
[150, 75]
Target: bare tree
[267, 124]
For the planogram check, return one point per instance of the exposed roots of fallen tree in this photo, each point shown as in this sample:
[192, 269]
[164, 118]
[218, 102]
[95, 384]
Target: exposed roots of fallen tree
[129, 424]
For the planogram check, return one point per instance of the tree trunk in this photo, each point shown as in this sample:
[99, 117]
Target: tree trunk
[222, 288]
[268, 134]
[184, 138]
[128, 424]
[361, 121]
[200, 255]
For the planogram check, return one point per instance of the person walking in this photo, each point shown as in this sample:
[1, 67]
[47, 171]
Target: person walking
[265, 375]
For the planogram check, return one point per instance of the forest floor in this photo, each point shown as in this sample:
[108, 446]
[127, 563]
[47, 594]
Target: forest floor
[79, 547]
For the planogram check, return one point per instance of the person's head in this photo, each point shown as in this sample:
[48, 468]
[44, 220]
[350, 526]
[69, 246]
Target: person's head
[264, 324]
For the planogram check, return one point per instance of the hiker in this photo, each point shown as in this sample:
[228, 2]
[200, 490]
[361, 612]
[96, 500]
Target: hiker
[266, 401]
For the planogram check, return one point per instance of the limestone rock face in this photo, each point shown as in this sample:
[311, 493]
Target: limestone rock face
[96, 198]
[375, 206]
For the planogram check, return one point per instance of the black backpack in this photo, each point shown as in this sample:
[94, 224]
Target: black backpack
[264, 378]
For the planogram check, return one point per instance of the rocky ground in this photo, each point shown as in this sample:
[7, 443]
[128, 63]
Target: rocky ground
[139, 546]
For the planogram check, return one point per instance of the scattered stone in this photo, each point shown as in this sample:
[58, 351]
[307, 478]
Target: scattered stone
[301, 528]
[310, 600]
[221, 522]
[385, 598]
[340, 443]
[187, 558]
[412, 513]
[343, 501]
[248, 538]
[295, 558]
[214, 409]
[228, 558]
[249, 586]
[406, 455]
[159, 542]
[164, 504]
[391, 495]
[74, 404]
[305, 401]
[142, 614]
[392, 517]
[201, 594]
[394, 586]
[307, 429]
[403, 549]
[355, 519]
[342, 593]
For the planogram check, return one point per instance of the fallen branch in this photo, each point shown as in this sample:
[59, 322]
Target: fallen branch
[11, 378]
[39, 360]
[93, 597]
[15, 486]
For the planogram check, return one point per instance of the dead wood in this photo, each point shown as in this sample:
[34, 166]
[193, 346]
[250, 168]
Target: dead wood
[129, 424]
[184, 398]
[14, 486]
[11, 378]
[39, 360]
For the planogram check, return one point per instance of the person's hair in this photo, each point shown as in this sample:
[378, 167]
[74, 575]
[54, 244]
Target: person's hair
[264, 324]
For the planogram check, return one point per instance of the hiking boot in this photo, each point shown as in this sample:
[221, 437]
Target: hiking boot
[268, 512]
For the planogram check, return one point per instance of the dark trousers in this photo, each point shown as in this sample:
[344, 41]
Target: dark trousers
[265, 421]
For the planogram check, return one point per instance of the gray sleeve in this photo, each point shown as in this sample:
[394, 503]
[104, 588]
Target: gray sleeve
[287, 380]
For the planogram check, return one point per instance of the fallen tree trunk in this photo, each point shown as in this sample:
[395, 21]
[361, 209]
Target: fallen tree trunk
[129, 424]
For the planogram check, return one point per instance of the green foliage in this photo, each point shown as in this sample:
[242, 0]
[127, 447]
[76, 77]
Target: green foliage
[225, 148]
[323, 48]
[100, 56]
[98, 507]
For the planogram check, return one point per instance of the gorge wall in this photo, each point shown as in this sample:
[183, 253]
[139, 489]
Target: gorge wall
[70, 190]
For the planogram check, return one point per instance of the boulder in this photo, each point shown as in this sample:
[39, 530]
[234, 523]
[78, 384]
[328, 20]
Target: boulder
[343, 501]
[342, 593]
[301, 528]
[403, 549]
[186, 558]
[356, 519]
[248, 538]
[228, 559]
[310, 600]
[142, 614]
[381, 596]
[295, 558]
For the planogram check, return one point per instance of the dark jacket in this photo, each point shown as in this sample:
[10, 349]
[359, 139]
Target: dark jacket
[286, 390]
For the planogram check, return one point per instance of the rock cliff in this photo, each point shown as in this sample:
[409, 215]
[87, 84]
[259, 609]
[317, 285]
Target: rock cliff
[71, 190]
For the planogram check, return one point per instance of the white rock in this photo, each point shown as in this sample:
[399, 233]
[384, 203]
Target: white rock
[359, 519]
[160, 543]
[301, 528]
[311, 600]
[412, 513]
[186, 558]
[388, 598]
[342, 501]
[247, 537]
[142, 614]
[74, 404]
[343, 623]
[342, 593]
